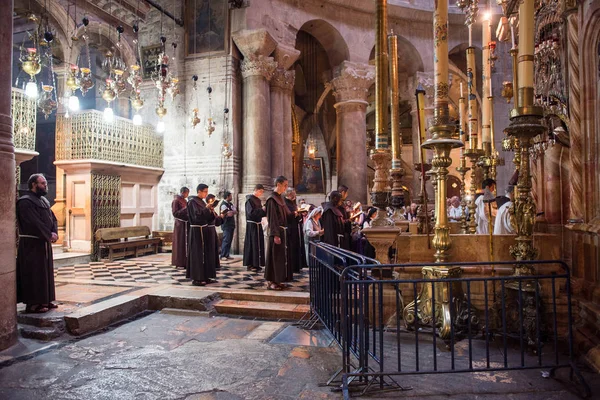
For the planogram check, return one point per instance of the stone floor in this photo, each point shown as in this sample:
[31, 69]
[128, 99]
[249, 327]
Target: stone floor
[158, 269]
[176, 354]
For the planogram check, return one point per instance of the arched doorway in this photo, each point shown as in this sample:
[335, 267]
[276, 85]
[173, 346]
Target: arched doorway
[453, 186]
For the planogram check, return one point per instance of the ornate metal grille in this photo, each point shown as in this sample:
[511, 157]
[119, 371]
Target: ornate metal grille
[106, 206]
[24, 115]
[86, 136]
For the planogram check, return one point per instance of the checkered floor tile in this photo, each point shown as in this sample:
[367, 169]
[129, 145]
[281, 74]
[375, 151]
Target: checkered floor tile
[232, 274]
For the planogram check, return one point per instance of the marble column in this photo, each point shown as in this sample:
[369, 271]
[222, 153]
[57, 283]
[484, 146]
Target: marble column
[257, 70]
[283, 81]
[8, 295]
[351, 85]
[282, 85]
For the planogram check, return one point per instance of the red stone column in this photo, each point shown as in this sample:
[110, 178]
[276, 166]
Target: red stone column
[8, 295]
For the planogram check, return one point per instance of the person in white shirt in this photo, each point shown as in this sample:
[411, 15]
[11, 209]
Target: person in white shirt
[503, 224]
[482, 216]
[455, 210]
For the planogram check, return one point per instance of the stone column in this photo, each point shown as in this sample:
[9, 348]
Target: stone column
[282, 86]
[59, 207]
[577, 206]
[257, 70]
[8, 295]
[351, 85]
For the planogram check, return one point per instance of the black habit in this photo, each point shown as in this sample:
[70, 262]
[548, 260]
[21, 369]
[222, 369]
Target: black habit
[179, 254]
[203, 253]
[296, 236]
[278, 266]
[346, 242]
[254, 242]
[332, 222]
[35, 268]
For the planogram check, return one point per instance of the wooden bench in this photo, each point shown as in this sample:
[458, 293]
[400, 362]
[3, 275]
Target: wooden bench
[127, 241]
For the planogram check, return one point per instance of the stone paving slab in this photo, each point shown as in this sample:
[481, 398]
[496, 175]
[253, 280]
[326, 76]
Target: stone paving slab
[172, 357]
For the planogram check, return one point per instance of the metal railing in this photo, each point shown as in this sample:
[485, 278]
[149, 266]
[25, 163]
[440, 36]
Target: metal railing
[87, 136]
[24, 116]
[507, 322]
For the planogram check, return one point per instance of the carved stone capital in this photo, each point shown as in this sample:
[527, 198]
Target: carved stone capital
[254, 43]
[352, 81]
[283, 79]
[260, 66]
[285, 55]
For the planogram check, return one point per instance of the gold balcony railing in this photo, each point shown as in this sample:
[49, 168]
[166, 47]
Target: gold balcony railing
[24, 116]
[86, 136]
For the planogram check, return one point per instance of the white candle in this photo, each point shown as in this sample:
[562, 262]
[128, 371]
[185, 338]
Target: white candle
[512, 35]
[470, 36]
[462, 94]
[490, 85]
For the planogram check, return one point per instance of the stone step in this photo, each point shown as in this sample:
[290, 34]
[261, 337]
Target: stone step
[57, 249]
[270, 296]
[68, 258]
[261, 309]
[41, 333]
[45, 320]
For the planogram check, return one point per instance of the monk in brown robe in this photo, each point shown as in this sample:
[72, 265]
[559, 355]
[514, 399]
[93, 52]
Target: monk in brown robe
[180, 213]
[278, 267]
[37, 231]
[203, 252]
[254, 242]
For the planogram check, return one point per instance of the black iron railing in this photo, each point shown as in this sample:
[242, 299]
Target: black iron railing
[507, 322]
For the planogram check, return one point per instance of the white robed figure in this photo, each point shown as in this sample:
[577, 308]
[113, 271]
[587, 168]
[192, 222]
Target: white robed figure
[503, 224]
[482, 213]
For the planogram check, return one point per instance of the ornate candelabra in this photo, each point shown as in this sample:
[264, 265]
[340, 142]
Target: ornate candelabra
[381, 155]
[473, 154]
[462, 169]
[441, 142]
[525, 125]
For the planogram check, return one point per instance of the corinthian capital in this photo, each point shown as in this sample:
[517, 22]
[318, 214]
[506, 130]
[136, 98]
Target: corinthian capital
[352, 81]
[259, 66]
[283, 79]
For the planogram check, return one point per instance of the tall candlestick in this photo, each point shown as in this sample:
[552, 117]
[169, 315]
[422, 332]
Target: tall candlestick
[472, 98]
[486, 73]
[526, 44]
[395, 103]
[420, 93]
[381, 79]
[440, 55]
[462, 118]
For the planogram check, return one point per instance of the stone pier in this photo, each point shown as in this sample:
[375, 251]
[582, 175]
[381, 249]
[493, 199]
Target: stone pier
[8, 295]
[351, 85]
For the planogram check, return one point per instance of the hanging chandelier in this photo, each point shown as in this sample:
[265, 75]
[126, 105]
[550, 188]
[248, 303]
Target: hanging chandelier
[165, 83]
[30, 59]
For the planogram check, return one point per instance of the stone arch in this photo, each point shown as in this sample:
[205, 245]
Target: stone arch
[330, 38]
[409, 58]
[57, 18]
[590, 109]
[104, 37]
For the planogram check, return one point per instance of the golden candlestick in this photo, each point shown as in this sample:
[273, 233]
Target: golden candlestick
[525, 125]
[381, 156]
[442, 143]
[397, 172]
[472, 97]
[474, 156]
